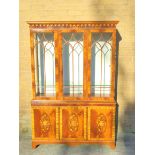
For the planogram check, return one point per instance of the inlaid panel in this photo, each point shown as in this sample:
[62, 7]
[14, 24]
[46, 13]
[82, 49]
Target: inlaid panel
[45, 122]
[72, 123]
[101, 121]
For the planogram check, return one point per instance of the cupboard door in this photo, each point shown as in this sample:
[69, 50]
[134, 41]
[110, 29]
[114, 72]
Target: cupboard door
[45, 123]
[72, 123]
[101, 123]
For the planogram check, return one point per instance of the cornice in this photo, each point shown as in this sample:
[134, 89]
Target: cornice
[78, 24]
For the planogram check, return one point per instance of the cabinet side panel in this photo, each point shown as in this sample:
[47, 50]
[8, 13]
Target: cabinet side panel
[113, 70]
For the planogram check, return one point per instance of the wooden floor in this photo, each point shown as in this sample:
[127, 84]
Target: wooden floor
[125, 146]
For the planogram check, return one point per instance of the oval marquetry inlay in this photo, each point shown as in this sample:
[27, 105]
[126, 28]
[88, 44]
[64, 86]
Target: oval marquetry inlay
[73, 122]
[45, 123]
[101, 123]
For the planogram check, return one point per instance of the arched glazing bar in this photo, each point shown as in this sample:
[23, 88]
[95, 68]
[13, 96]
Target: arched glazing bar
[72, 64]
[44, 64]
[101, 51]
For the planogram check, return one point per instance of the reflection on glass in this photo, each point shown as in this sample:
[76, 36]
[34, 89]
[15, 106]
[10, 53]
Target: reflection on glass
[45, 64]
[100, 65]
[72, 64]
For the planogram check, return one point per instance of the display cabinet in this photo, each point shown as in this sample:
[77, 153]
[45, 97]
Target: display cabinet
[73, 82]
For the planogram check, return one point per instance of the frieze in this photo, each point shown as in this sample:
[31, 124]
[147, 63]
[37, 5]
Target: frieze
[61, 25]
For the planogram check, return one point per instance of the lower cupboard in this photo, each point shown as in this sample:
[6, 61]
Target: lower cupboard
[73, 125]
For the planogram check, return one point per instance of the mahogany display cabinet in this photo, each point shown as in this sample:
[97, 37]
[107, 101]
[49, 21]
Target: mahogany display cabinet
[73, 82]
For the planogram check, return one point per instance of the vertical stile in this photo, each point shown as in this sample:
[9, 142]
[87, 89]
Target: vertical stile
[85, 119]
[60, 124]
[73, 69]
[60, 63]
[85, 64]
[56, 62]
[32, 63]
[88, 125]
[89, 64]
[113, 63]
[37, 70]
[57, 123]
[44, 71]
[32, 122]
[113, 122]
[101, 74]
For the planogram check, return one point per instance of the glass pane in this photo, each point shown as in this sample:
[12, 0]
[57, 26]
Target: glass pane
[101, 50]
[45, 64]
[73, 64]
